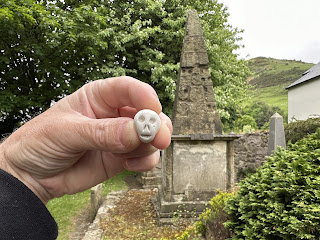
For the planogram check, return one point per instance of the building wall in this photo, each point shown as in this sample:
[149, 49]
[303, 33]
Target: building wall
[304, 100]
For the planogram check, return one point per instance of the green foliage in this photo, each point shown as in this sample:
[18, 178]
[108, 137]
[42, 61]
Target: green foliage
[256, 115]
[245, 122]
[211, 220]
[65, 208]
[50, 48]
[282, 199]
[299, 129]
[276, 96]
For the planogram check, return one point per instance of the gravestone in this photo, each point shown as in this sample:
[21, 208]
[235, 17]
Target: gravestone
[199, 160]
[276, 134]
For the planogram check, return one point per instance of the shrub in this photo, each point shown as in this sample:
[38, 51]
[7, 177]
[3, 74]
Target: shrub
[297, 130]
[261, 113]
[211, 221]
[243, 122]
[282, 199]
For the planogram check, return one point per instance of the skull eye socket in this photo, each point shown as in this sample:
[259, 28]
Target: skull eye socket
[142, 119]
[152, 120]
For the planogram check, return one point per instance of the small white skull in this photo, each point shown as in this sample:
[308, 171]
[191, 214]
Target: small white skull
[147, 123]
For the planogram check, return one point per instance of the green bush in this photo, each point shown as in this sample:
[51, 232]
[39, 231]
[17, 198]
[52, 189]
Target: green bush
[211, 221]
[297, 130]
[244, 122]
[257, 115]
[282, 199]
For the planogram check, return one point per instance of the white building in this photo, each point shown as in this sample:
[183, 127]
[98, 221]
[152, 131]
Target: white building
[304, 95]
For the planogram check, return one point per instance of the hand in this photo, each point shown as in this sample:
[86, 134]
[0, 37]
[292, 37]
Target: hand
[85, 138]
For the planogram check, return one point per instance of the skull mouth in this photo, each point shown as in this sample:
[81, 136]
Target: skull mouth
[146, 137]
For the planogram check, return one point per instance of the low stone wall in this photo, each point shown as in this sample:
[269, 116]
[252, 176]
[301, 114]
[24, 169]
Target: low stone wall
[250, 153]
[94, 231]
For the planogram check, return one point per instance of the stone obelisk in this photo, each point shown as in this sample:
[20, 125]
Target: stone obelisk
[195, 110]
[199, 160]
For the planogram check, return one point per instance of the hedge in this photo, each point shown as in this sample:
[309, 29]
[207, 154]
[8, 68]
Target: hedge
[282, 199]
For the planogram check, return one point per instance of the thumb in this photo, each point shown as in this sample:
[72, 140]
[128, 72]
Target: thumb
[116, 135]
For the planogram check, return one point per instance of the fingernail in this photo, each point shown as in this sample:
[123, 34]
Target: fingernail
[129, 137]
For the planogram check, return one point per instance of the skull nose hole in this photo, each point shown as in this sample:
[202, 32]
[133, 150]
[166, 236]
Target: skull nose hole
[146, 127]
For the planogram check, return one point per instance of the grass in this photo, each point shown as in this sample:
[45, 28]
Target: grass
[273, 96]
[66, 208]
[271, 77]
[275, 72]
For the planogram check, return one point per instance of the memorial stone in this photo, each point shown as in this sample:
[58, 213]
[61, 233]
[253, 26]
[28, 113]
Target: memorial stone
[276, 134]
[199, 160]
[195, 108]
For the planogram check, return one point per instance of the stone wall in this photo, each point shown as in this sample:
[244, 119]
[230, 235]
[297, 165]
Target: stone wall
[250, 153]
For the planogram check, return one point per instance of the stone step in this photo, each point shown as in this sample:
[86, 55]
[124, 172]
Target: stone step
[186, 209]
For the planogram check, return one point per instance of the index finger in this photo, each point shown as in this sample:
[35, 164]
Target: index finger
[104, 97]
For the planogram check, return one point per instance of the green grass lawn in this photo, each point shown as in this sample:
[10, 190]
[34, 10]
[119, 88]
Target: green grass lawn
[273, 96]
[66, 208]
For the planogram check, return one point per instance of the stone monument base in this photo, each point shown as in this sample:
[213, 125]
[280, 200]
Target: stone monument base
[194, 168]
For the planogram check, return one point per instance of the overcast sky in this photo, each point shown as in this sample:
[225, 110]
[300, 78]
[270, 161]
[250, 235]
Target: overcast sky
[283, 29]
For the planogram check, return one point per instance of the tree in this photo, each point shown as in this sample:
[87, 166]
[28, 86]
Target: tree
[51, 48]
[262, 112]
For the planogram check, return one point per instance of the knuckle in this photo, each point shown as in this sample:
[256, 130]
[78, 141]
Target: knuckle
[106, 136]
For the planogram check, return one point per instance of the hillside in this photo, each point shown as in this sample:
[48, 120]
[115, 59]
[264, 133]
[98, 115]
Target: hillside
[270, 72]
[271, 77]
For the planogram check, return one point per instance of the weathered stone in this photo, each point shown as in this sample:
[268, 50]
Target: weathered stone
[184, 92]
[94, 231]
[276, 134]
[207, 172]
[250, 153]
[194, 86]
[96, 200]
[199, 160]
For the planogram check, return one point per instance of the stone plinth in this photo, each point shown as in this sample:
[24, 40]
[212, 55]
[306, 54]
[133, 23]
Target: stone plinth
[195, 168]
[200, 166]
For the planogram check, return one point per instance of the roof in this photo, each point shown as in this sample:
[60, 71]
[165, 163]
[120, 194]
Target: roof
[308, 75]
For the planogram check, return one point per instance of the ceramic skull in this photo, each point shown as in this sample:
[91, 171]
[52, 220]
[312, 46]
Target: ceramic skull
[147, 123]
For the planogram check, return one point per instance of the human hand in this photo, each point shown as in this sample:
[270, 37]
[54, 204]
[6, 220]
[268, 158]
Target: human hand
[85, 138]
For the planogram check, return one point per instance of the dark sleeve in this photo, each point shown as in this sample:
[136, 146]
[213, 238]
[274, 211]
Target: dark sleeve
[22, 214]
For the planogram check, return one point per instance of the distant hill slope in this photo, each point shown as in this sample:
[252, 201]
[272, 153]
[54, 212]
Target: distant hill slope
[271, 77]
[270, 72]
